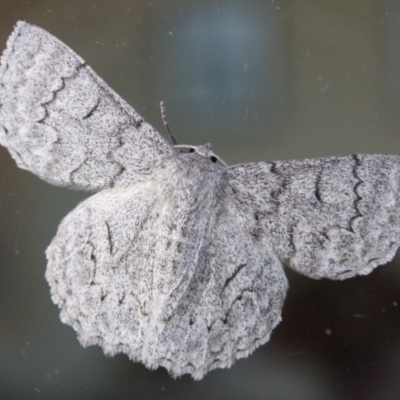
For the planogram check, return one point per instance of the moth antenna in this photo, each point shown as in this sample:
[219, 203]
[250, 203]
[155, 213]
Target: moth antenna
[164, 119]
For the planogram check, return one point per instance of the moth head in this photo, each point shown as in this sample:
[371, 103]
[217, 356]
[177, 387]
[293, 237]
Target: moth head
[204, 150]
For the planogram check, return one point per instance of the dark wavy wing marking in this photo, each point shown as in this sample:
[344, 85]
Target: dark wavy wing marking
[334, 217]
[230, 307]
[60, 121]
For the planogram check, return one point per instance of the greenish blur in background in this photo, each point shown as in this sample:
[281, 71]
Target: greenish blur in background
[260, 80]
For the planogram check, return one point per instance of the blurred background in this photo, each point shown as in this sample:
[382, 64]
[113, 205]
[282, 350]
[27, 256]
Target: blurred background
[260, 80]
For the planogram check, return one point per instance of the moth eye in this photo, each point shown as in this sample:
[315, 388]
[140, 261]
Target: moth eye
[213, 159]
[192, 150]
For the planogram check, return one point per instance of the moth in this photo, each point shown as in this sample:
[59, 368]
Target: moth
[177, 260]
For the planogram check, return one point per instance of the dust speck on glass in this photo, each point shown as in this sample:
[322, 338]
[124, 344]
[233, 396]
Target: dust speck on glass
[178, 260]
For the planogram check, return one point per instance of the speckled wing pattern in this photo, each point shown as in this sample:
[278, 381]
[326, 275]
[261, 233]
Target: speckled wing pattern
[177, 261]
[326, 218]
[135, 276]
[62, 122]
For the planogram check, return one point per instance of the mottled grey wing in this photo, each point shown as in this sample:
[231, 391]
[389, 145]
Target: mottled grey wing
[334, 217]
[134, 276]
[60, 121]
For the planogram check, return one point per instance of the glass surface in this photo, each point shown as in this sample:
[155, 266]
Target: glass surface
[260, 80]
